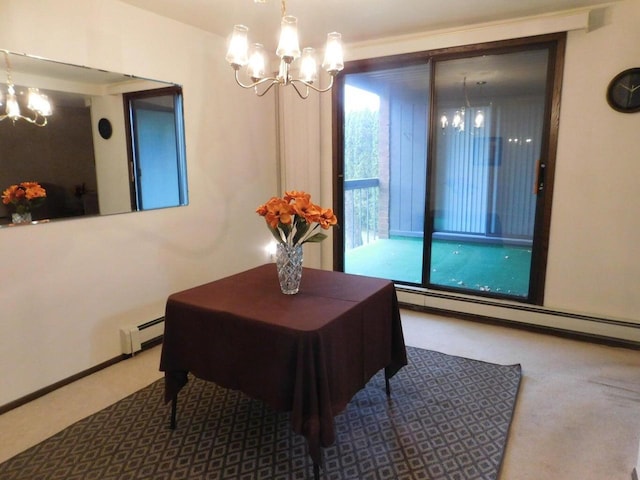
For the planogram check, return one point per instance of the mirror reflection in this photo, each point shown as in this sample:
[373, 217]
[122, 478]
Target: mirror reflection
[96, 142]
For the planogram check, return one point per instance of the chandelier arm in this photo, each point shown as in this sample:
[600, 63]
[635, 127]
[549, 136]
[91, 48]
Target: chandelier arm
[313, 87]
[256, 83]
[38, 121]
[274, 81]
[295, 87]
[41, 123]
[34, 120]
[466, 96]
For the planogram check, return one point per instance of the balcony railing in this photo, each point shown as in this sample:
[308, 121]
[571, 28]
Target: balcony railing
[361, 211]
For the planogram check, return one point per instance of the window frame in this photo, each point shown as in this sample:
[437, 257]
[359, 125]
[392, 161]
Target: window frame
[555, 43]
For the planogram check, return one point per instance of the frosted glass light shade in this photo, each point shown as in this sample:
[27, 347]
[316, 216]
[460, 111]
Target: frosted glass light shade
[39, 102]
[333, 54]
[457, 119]
[289, 46]
[256, 68]
[308, 66]
[238, 52]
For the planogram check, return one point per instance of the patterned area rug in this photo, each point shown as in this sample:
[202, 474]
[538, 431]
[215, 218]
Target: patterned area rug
[448, 418]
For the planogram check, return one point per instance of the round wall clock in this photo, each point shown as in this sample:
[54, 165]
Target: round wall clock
[623, 93]
[104, 127]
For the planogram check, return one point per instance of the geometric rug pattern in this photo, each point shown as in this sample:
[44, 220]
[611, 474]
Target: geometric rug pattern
[448, 418]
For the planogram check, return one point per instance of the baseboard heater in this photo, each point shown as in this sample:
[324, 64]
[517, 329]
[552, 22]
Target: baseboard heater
[607, 330]
[138, 337]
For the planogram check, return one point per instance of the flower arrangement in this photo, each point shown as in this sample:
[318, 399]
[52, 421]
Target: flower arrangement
[294, 219]
[24, 196]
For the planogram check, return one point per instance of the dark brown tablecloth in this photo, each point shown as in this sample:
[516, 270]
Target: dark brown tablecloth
[307, 353]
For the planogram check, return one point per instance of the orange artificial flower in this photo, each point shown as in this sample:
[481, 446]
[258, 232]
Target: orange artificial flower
[33, 190]
[327, 218]
[303, 207]
[276, 211]
[294, 218]
[12, 194]
[294, 194]
[24, 196]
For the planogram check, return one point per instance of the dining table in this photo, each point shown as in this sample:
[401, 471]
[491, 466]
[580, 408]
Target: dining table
[307, 354]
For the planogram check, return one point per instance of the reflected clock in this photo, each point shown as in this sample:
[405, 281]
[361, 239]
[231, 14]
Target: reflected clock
[623, 92]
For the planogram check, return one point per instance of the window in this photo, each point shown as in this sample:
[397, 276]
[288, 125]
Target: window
[156, 148]
[444, 167]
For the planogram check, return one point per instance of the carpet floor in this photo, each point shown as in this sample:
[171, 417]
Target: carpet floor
[448, 418]
[498, 268]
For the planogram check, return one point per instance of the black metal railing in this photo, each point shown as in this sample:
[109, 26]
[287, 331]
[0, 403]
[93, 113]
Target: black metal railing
[361, 211]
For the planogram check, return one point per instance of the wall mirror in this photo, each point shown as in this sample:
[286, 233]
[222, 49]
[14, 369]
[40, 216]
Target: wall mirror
[112, 143]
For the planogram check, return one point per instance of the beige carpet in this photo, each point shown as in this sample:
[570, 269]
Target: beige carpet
[577, 416]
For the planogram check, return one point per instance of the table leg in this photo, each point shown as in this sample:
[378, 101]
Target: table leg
[387, 386]
[174, 409]
[316, 471]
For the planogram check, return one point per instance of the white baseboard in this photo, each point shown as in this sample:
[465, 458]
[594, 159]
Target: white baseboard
[605, 328]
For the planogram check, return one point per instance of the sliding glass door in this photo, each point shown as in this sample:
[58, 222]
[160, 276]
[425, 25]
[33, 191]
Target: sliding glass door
[385, 165]
[444, 167]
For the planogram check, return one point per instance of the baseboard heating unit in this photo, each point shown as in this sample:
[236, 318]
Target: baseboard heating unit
[137, 337]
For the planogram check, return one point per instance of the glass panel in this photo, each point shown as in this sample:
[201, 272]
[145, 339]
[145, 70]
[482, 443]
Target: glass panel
[158, 153]
[385, 158]
[488, 143]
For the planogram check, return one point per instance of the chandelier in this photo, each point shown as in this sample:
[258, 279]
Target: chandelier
[458, 120]
[37, 103]
[241, 54]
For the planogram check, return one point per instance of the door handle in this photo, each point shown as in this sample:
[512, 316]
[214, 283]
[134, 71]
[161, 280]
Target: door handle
[538, 185]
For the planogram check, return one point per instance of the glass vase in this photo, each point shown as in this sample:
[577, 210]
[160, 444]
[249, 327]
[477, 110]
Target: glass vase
[289, 264]
[21, 217]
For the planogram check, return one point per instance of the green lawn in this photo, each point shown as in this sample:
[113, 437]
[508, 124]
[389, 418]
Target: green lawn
[497, 268]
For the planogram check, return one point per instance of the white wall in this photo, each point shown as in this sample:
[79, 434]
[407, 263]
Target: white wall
[595, 228]
[111, 158]
[66, 287]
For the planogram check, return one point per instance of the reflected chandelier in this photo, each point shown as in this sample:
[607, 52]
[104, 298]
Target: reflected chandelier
[240, 54]
[458, 120]
[37, 103]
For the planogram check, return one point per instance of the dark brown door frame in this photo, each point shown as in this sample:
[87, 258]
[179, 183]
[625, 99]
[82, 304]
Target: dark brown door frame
[555, 43]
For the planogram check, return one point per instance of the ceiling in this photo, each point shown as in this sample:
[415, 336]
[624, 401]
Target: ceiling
[357, 20]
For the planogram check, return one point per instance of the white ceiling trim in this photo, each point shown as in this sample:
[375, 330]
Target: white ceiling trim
[480, 33]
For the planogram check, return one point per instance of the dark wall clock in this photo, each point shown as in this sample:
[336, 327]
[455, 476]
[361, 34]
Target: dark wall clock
[104, 127]
[623, 92]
